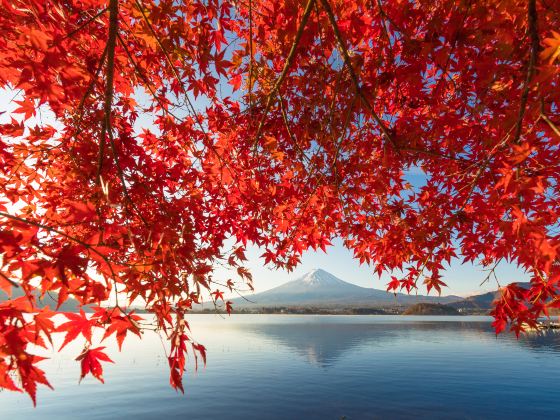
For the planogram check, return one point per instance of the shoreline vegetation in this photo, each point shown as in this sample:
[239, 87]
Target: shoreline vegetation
[418, 309]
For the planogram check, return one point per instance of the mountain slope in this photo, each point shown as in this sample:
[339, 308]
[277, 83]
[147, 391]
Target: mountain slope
[320, 288]
[477, 302]
[482, 301]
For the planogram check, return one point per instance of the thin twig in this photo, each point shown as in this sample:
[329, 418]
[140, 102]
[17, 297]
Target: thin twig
[13, 283]
[290, 133]
[83, 25]
[547, 120]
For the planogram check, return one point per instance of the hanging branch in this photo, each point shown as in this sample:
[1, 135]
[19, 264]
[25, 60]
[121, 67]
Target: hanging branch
[344, 52]
[107, 127]
[250, 57]
[111, 43]
[535, 43]
[287, 65]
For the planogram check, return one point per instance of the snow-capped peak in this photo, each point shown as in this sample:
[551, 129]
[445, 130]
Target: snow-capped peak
[318, 277]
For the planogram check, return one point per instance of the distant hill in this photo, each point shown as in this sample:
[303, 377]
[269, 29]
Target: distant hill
[50, 300]
[321, 289]
[478, 302]
[482, 302]
[430, 309]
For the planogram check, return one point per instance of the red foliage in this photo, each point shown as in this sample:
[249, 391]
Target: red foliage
[285, 125]
[90, 362]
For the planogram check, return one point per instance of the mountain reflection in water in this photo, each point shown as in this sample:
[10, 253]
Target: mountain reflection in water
[323, 344]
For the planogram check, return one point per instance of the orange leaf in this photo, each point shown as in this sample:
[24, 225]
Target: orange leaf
[552, 49]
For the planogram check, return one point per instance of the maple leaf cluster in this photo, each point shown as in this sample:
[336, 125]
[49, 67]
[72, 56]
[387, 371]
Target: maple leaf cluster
[151, 141]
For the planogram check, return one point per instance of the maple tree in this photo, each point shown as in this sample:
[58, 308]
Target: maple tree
[178, 133]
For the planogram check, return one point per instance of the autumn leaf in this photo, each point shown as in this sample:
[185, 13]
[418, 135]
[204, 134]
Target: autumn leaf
[394, 284]
[552, 49]
[434, 283]
[121, 325]
[6, 380]
[39, 39]
[218, 294]
[27, 108]
[200, 350]
[32, 375]
[235, 82]
[44, 323]
[90, 362]
[6, 284]
[77, 324]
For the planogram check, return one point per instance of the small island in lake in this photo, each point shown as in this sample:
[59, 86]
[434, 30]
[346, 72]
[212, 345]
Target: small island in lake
[430, 309]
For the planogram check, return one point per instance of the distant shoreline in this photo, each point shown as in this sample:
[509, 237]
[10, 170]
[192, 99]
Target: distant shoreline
[328, 314]
[345, 311]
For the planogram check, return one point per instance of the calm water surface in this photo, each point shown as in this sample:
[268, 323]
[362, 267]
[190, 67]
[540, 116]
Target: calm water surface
[315, 367]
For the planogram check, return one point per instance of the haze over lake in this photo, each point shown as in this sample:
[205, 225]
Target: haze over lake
[315, 367]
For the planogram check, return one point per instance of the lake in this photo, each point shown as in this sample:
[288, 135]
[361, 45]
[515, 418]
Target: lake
[315, 367]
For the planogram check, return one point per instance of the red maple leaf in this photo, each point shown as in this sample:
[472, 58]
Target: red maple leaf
[90, 361]
[121, 325]
[77, 324]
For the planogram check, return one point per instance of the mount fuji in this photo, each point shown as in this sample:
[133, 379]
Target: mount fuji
[321, 289]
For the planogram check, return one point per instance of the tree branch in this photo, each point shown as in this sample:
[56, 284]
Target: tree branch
[533, 32]
[344, 52]
[111, 43]
[250, 57]
[58, 232]
[287, 65]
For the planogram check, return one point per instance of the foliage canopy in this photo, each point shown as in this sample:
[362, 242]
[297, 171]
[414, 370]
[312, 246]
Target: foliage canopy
[179, 132]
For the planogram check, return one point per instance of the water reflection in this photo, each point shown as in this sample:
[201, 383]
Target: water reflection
[324, 344]
[543, 342]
